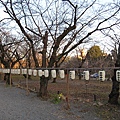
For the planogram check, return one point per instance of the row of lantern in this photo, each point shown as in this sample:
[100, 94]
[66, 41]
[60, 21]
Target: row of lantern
[54, 74]
[37, 72]
[101, 75]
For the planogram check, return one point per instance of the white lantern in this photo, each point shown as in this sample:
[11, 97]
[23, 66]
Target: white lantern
[12, 71]
[34, 72]
[1, 70]
[24, 71]
[86, 75]
[16, 71]
[5, 70]
[46, 73]
[43, 73]
[53, 73]
[102, 75]
[72, 75]
[62, 74]
[8, 70]
[118, 75]
[40, 73]
[29, 71]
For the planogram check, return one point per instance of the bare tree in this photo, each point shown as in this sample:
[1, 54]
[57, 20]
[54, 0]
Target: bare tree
[59, 26]
[115, 44]
[9, 52]
[114, 95]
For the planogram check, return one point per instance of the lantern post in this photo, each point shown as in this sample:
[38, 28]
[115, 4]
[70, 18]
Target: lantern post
[67, 97]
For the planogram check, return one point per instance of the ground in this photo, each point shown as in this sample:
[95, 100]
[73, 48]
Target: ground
[89, 95]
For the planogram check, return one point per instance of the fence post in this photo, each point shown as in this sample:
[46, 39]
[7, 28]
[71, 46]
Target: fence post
[67, 98]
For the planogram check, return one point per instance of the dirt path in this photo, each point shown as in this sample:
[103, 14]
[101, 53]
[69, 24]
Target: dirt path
[16, 105]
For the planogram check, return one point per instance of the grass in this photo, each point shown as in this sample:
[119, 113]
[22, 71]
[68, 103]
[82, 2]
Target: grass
[77, 88]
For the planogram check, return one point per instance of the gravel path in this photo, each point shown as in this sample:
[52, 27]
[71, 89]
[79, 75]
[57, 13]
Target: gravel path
[16, 105]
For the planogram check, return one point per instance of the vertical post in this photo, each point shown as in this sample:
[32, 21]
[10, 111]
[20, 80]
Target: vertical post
[67, 98]
[86, 88]
[27, 91]
[10, 77]
[27, 83]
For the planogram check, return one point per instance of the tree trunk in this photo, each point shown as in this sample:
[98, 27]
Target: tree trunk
[43, 79]
[7, 78]
[114, 95]
[43, 86]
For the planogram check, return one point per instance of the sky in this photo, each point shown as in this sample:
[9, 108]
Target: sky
[102, 41]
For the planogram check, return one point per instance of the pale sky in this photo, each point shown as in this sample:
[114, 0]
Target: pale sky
[102, 41]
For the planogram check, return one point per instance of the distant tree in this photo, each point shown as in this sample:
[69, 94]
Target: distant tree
[9, 52]
[95, 52]
[71, 62]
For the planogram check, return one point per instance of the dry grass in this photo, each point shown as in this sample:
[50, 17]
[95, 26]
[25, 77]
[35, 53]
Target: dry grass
[94, 93]
[92, 89]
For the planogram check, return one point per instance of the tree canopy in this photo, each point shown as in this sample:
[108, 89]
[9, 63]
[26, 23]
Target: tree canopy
[95, 52]
[68, 24]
